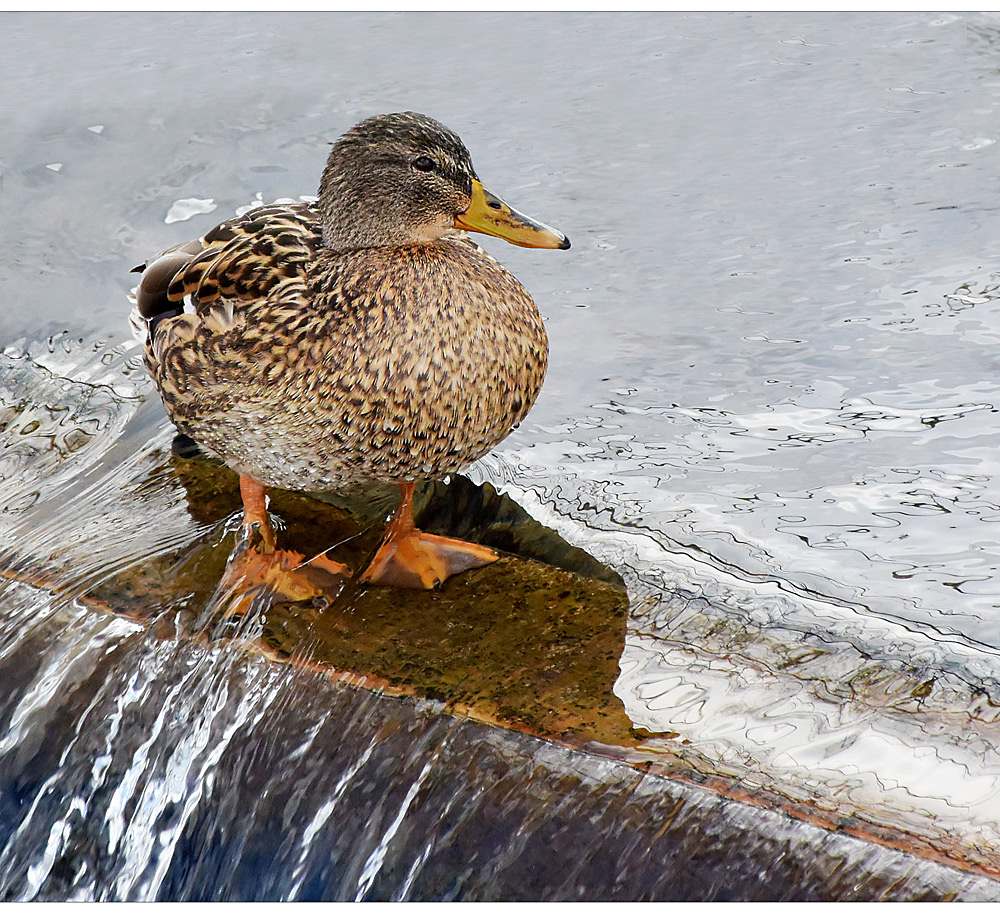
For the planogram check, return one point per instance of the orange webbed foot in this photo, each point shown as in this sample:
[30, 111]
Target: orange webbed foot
[408, 557]
[422, 561]
[281, 575]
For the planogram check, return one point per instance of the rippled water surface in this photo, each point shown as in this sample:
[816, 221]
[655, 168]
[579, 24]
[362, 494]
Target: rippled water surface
[772, 403]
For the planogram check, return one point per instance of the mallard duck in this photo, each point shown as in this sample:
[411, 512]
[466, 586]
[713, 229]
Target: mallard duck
[361, 337]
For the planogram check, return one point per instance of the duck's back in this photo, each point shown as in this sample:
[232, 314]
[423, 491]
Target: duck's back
[306, 368]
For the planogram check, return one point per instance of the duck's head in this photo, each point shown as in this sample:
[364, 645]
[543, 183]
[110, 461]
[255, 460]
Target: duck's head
[401, 179]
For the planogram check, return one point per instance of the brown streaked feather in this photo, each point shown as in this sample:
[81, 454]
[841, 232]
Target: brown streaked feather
[373, 364]
[247, 257]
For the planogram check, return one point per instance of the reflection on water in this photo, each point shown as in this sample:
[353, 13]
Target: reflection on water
[814, 700]
[878, 497]
[771, 408]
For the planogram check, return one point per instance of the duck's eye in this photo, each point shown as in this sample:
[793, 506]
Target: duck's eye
[424, 163]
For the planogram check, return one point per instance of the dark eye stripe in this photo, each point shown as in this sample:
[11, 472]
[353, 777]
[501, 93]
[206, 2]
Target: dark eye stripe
[424, 163]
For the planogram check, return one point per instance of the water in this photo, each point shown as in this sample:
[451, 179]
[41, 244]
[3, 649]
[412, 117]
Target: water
[770, 407]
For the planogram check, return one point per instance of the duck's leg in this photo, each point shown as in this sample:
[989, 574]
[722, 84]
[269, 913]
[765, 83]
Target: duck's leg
[262, 566]
[409, 557]
[254, 497]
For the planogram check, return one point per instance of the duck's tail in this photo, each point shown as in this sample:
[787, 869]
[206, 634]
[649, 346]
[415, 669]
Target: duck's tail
[152, 300]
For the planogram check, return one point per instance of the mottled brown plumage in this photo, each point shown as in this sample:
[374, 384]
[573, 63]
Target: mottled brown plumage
[361, 338]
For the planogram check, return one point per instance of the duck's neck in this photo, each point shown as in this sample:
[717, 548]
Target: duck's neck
[345, 230]
[362, 211]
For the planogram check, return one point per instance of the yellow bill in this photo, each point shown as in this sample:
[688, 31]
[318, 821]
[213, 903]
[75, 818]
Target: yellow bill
[488, 214]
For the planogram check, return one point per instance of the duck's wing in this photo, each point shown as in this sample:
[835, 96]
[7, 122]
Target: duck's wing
[245, 258]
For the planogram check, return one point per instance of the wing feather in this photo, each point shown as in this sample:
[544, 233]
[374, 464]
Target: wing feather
[245, 258]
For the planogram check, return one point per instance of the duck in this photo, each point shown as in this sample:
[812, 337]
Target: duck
[362, 337]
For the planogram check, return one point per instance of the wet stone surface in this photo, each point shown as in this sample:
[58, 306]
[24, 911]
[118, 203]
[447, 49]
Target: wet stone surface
[520, 642]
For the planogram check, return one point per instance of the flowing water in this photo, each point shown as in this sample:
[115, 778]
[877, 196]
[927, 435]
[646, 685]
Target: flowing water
[770, 408]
